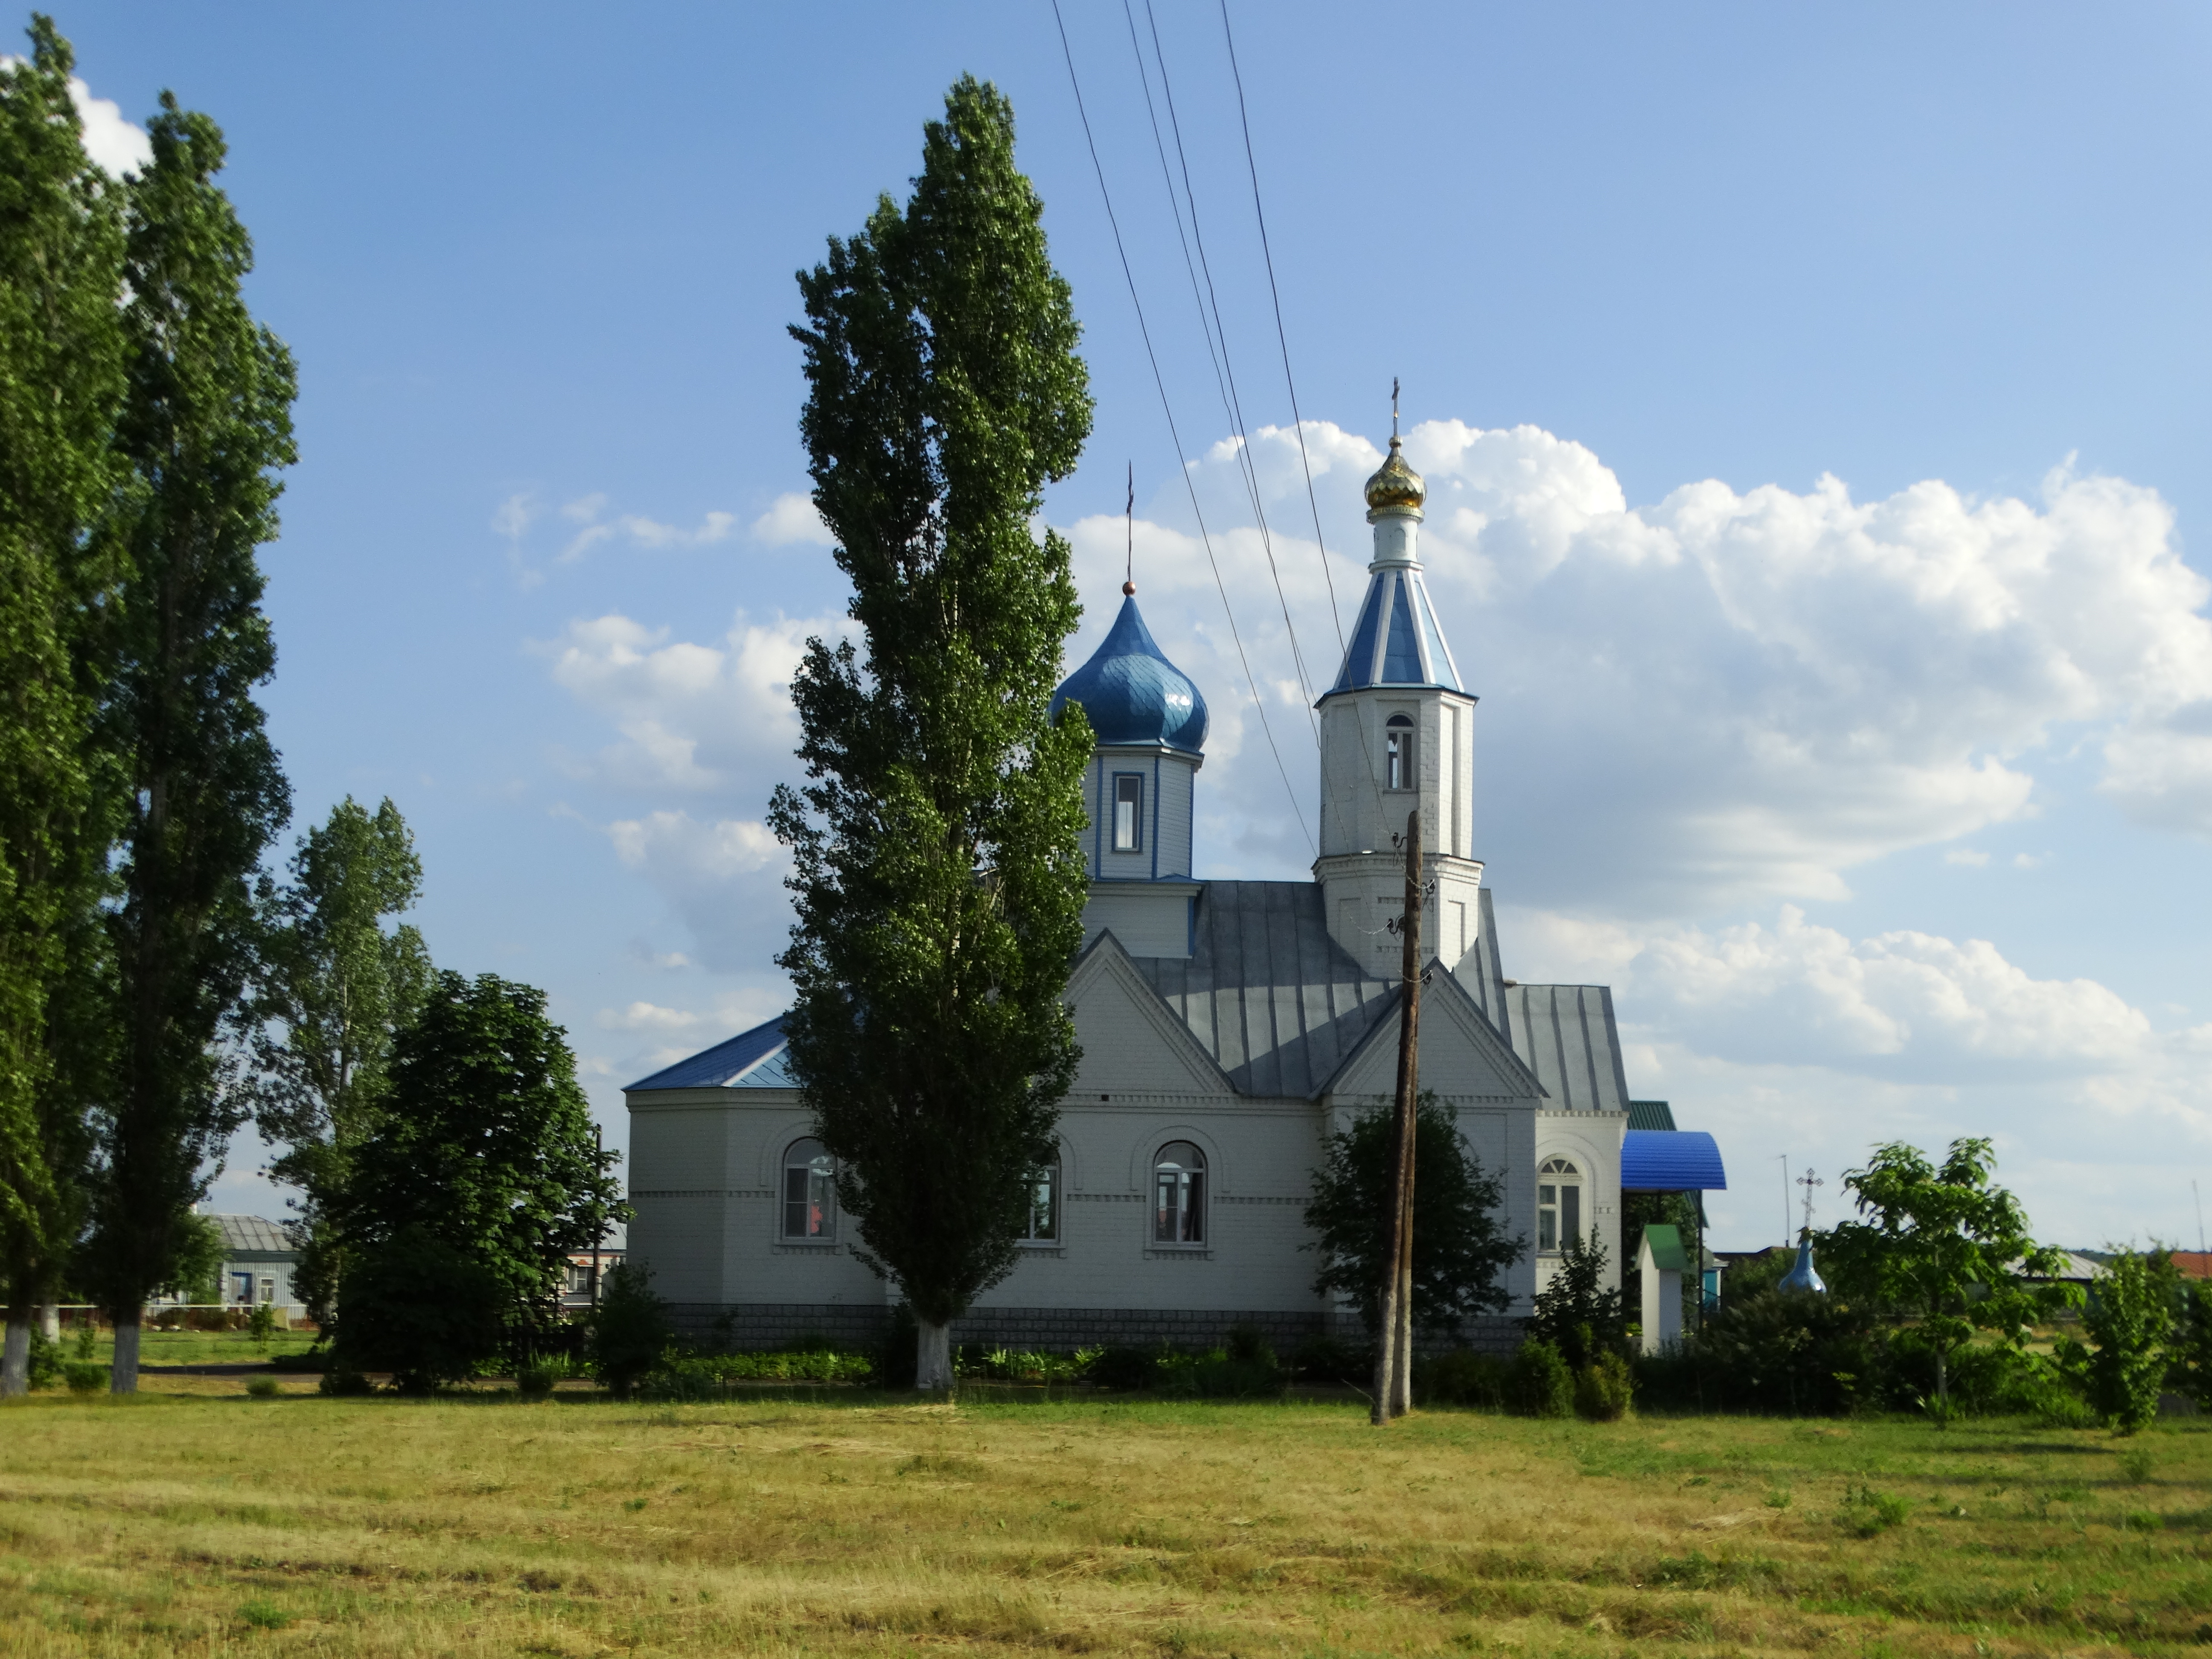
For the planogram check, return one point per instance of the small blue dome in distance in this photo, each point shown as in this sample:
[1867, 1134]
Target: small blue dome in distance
[1133, 695]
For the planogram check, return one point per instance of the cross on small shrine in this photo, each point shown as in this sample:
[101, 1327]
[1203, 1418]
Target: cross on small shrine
[1808, 1181]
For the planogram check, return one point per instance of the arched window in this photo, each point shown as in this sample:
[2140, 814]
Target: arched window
[1179, 1195]
[1559, 1203]
[1043, 1226]
[1398, 752]
[810, 1194]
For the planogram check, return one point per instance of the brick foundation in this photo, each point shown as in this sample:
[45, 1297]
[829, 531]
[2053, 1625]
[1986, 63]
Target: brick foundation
[761, 1325]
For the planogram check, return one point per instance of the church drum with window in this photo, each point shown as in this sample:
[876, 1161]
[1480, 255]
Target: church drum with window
[1228, 1027]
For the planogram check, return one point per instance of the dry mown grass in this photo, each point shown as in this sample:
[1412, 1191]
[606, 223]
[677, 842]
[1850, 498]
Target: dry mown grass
[187, 1522]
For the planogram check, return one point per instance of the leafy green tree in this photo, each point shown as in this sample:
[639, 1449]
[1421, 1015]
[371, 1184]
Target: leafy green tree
[2191, 1344]
[2130, 1319]
[423, 1309]
[61, 378]
[196, 1271]
[1577, 1312]
[629, 1329]
[1944, 1247]
[939, 866]
[206, 423]
[1459, 1248]
[336, 985]
[487, 1150]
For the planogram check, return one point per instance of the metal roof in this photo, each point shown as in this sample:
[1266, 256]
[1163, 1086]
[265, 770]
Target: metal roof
[1397, 639]
[1650, 1114]
[750, 1060]
[252, 1234]
[1132, 694]
[1667, 1255]
[1266, 991]
[1567, 1037]
[1671, 1161]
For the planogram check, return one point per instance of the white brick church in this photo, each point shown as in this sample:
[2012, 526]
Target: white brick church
[1227, 1028]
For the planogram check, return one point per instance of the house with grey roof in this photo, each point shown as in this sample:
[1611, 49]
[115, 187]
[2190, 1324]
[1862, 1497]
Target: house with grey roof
[1228, 1028]
[259, 1256]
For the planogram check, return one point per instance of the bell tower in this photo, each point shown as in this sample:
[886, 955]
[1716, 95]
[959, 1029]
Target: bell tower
[1397, 732]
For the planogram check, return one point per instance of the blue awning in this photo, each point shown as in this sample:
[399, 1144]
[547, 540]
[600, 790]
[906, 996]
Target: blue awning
[1671, 1161]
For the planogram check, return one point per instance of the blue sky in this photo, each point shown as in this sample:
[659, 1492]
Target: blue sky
[1882, 801]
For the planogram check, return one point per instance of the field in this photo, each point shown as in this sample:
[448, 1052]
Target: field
[196, 1521]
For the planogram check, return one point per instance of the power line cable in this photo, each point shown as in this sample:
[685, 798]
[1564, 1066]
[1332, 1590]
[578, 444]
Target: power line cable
[1282, 339]
[1168, 409]
[1297, 420]
[1235, 402]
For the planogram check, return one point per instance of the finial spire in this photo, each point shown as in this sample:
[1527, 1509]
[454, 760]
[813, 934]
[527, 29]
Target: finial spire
[1808, 1181]
[1129, 520]
[1393, 411]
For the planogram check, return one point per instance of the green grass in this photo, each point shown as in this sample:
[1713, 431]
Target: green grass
[195, 1347]
[200, 1523]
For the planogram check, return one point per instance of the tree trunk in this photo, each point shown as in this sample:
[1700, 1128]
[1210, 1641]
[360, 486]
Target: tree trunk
[50, 1321]
[932, 1358]
[1942, 1377]
[16, 1357]
[122, 1377]
[1393, 1364]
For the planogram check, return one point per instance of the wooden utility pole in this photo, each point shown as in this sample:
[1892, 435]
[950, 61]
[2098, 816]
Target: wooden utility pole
[1393, 1357]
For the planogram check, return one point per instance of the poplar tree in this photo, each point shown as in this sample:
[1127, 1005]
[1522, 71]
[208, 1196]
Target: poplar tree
[205, 424]
[938, 863]
[61, 377]
[336, 985]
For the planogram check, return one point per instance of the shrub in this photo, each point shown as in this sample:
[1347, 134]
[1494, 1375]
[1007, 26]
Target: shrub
[262, 1388]
[421, 1309]
[1604, 1389]
[85, 1375]
[2191, 1346]
[343, 1379]
[629, 1329]
[1125, 1370]
[1325, 1359]
[1576, 1313]
[1461, 1377]
[535, 1382]
[2129, 1318]
[1539, 1384]
[262, 1323]
[1221, 1375]
[898, 1361]
[45, 1368]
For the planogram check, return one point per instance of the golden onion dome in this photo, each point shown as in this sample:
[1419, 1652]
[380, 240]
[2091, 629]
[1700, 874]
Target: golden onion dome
[1394, 483]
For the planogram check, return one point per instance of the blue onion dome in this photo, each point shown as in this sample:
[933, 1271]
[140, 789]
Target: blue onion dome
[1133, 695]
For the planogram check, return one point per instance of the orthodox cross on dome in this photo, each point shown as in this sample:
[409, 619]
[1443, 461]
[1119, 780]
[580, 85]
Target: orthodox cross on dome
[1129, 520]
[1808, 1181]
[1393, 409]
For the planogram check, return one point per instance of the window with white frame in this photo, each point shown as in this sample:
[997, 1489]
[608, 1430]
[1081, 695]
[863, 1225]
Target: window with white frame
[1179, 1195]
[1398, 752]
[1128, 812]
[810, 1192]
[1559, 1203]
[1042, 1226]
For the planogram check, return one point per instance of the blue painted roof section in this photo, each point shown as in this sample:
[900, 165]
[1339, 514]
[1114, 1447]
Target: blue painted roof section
[750, 1060]
[1132, 694]
[1397, 639]
[1401, 656]
[1670, 1161]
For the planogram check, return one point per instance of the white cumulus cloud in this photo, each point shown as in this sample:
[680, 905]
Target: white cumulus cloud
[790, 519]
[1724, 697]
[692, 717]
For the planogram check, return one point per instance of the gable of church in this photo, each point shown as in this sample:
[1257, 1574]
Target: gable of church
[1131, 1042]
[1462, 1054]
